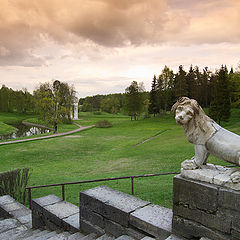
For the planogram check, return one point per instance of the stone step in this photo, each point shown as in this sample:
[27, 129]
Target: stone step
[24, 235]
[61, 236]
[106, 237]
[47, 236]
[154, 220]
[125, 237]
[147, 238]
[174, 237]
[12, 232]
[12, 229]
[76, 236]
[9, 207]
[8, 224]
[38, 234]
[91, 236]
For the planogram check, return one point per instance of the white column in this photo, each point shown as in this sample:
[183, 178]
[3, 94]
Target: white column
[75, 116]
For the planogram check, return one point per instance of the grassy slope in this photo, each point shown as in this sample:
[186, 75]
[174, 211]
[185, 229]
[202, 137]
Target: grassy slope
[100, 153]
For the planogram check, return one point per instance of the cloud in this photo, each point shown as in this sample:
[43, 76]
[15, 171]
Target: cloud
[26, 26]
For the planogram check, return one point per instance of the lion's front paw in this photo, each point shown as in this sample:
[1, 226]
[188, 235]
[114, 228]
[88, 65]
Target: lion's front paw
[189, 165]
[235, 177]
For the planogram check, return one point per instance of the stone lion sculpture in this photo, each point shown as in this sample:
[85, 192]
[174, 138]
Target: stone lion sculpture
[207, 136]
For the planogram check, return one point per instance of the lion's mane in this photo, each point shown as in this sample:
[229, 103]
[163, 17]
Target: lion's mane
[200, 128]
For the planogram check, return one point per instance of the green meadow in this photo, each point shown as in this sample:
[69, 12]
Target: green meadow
[106, 152]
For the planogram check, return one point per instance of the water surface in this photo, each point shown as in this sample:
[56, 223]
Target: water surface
[23, 131]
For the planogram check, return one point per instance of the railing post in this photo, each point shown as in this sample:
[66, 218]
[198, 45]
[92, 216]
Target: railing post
[63, 193]
[132, 183]
[24, 196]
[29, 198]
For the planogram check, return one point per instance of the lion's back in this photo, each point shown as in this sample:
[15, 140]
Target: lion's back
[225, 145]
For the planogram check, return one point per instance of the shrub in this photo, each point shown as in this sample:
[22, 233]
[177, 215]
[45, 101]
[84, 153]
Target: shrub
[97, 113]
[13, 183]
[103, 124]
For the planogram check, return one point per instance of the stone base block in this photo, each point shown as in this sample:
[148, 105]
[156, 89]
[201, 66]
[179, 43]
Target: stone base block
[202, 209]
[192, 230]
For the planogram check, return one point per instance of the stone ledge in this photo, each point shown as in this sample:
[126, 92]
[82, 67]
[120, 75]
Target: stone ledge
[154, 220]
[120, 214]
[54, 213]
[110, 203]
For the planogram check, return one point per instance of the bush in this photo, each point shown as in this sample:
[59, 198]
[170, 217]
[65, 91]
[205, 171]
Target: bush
[13, 183]
[97, 113]
[103, 124]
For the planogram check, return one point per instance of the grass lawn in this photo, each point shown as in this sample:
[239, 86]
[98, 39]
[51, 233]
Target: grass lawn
[108, 152]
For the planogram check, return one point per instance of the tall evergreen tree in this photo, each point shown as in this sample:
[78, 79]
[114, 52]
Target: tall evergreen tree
[220, 106]
[153, 108]
[205, 88]
[180, 83]
[191, 83]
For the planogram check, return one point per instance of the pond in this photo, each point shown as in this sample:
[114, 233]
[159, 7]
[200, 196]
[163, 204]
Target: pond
[23, 131]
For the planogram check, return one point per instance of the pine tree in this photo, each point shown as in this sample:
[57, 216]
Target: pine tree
[153, 108]
[191, 83]
[220, 106]
[180, 83]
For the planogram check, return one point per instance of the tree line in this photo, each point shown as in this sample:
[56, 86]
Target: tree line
[52, 101]
[20, 101]
[218, 91]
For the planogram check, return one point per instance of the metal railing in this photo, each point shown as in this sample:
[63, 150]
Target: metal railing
[92, 181]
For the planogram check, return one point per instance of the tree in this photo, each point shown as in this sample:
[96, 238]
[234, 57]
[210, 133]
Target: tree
[234, 81]
[191, 83]
[153, 107]
[180, 83]
[110, 104]
[220, 106]
[206, 88]
[134, 99]
[4, 99]
[165, 81]
[54, 101]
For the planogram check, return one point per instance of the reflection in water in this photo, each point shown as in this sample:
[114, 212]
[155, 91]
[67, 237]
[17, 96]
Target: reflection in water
[23, 131]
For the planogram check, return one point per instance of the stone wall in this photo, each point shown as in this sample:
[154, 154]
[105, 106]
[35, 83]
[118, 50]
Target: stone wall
[104, 210]
[205, 210]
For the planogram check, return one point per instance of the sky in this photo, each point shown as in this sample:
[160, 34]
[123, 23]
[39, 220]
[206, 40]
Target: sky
[101, 46]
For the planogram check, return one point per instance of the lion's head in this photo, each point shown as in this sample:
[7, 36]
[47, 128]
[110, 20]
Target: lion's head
[197, 126]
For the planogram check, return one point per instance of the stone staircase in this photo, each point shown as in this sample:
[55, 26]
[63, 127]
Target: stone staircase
[12, 229]
[55, 219]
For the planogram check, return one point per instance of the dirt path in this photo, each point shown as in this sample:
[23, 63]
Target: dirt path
[50, 136]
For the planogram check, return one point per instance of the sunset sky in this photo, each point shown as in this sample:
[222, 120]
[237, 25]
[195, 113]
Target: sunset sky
[101, 46]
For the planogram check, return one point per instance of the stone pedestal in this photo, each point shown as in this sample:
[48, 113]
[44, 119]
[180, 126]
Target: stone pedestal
[203, 209]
